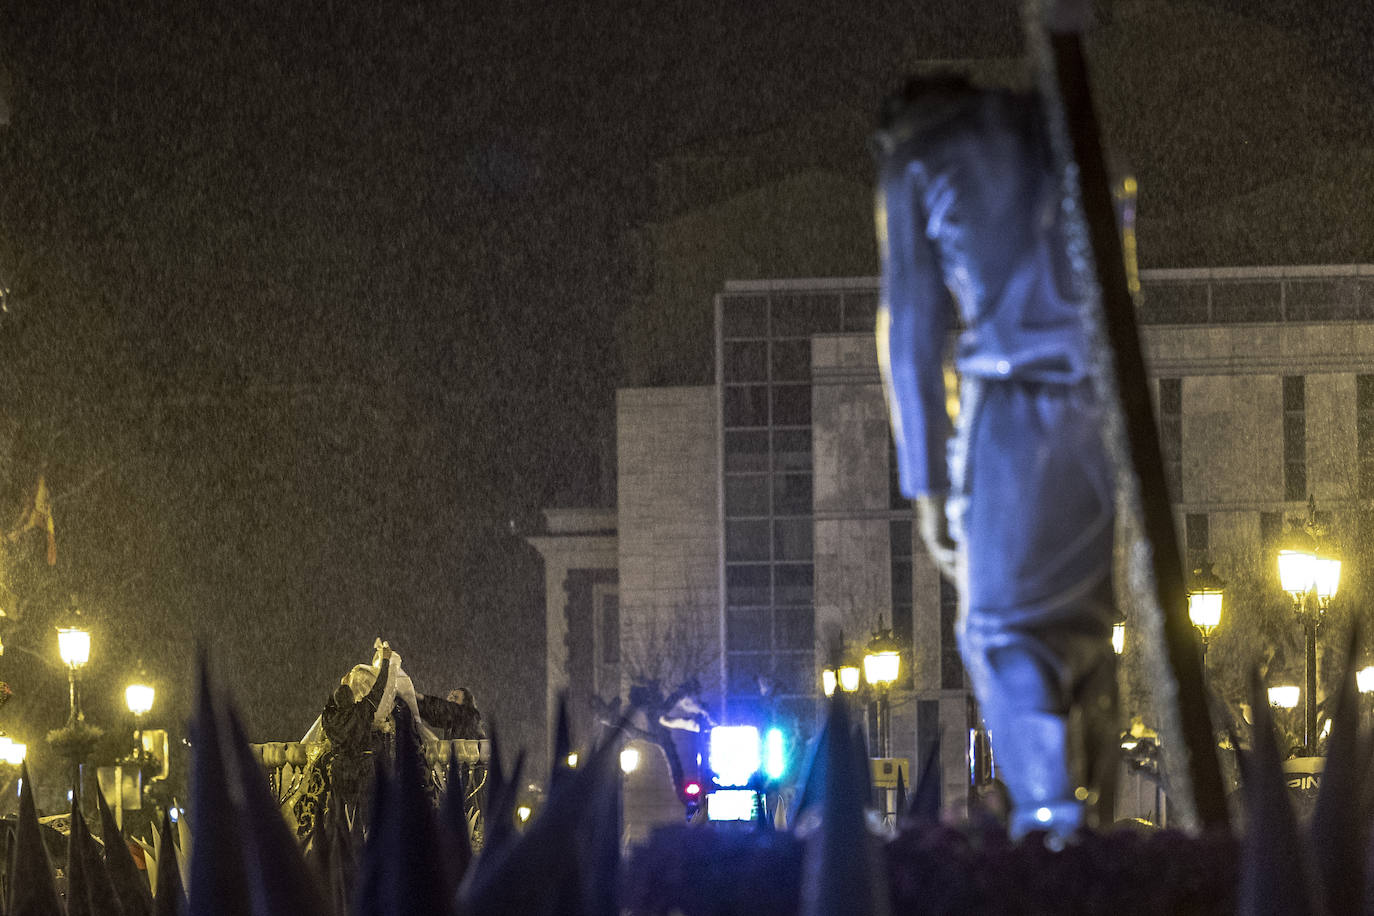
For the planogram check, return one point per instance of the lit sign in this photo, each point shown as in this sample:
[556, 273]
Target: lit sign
[731, 805]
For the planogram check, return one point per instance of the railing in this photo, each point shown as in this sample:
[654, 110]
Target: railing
[286, 762]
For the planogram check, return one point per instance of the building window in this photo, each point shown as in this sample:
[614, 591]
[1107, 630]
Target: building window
[746, 540]
[1364, 426]
[901, 543]
[895, 498]
[746, 451]
[1294, 438]
[794, 628]
[792, 405]
[745, 316]
[746, 405]
[792, 539]
[1271, 531]
[746, 585]
[610, 628]
[764, 352]
[1196, 533]
[1171, 434]
[792, 450]
[951, 666]
[746, 360]
[794, 583]
[746, 629]
[792, 494]
[928, 732]
[806, 314]
[791, 360]
[860, 311]
[746, 495]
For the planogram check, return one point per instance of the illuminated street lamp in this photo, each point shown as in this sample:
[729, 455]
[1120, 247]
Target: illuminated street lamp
[74, 646]
[1205, 595]
[1364, 679]
[1284, 696]
[1119, 638]
[11, 751]
[849, 678]
[846, 677]
[882, 667]
[1311, 577]
[139, 699]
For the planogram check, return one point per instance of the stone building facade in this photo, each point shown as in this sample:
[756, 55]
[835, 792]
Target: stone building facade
[763, 509]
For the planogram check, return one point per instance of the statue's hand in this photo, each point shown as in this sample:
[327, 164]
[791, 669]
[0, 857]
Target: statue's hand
[933, 525]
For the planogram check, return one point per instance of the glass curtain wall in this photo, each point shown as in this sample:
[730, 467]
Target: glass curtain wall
[763, 363]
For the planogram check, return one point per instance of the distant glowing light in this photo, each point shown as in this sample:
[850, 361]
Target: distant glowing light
[12, 752]
[139, 698]
[774, 754]
[692, 788]
[731, 805]
[1204, 609]
[734, 754]
[1119, 638]
[74, 646]
[849, 678]
[572, 760]
[1044, 815]
[523, 812]
[629, 760]
[1284, 696]
[881, 669]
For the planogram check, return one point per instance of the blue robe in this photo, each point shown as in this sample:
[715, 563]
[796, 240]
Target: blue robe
[969, 220]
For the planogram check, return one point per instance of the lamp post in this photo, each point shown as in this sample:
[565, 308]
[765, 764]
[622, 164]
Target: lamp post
[1205, 595]
[139, 699]
[882, 667]
[1311, 578]
[74, 647]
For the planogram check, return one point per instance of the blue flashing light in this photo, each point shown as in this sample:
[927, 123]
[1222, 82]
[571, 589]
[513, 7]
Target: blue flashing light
[774, 754]
[734, 754]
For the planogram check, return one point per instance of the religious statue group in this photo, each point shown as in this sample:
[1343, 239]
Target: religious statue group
[356, 732]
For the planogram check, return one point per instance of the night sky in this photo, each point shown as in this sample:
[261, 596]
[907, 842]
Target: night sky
[314, 306]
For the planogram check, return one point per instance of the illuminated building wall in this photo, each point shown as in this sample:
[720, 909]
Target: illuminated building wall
[765, 504]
